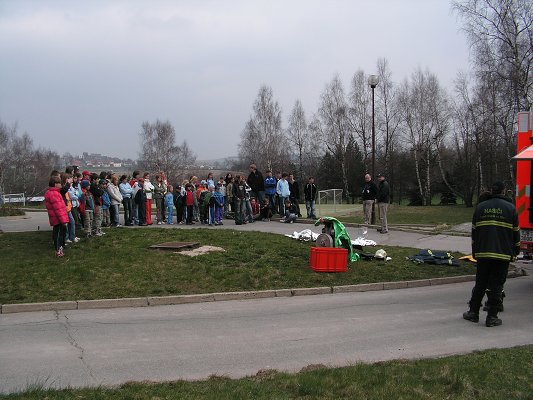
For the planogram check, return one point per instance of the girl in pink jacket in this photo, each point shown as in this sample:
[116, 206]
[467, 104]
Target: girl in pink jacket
[57, 213]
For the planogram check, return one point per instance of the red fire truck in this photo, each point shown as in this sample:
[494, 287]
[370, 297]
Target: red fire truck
[524, 173]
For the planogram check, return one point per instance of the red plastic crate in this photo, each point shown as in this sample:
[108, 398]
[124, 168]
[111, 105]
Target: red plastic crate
[329, 259]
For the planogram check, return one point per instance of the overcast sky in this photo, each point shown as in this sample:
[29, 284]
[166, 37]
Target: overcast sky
[83, 75]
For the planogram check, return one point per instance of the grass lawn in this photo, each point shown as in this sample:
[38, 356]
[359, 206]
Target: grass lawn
[492, 374]
[432, 215]
[120, 264]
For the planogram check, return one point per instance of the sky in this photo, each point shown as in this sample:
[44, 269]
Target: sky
[83, 75]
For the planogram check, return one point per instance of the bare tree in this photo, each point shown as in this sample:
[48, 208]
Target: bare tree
[262, 139]
[387, 113]
[361, 113]
[419, 101]
[298, 137]
[159, 151]
[500, 33]
[23, 168]
[332, 125]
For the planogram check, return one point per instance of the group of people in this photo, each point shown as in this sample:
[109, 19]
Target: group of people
[90, 201]
[87, 201]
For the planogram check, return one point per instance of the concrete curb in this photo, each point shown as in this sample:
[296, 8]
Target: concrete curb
[227, 296]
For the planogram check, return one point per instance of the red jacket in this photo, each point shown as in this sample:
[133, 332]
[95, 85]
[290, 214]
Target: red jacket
[57, 210]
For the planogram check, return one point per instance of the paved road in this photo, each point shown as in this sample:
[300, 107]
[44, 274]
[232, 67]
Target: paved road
[238, 338]
[39, 221]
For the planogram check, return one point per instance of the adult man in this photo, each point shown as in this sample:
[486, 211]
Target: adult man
[370, 190]
[383, 199]
[294, 197]
[256, 183]
[495, 242]
[310, 192]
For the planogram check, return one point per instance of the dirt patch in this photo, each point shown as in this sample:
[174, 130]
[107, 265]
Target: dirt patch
[201, 250]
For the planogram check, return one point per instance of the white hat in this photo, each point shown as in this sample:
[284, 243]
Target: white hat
[380, 254]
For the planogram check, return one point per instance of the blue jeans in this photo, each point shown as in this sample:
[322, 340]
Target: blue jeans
[310, 205]
[135, 213]
[170, 210]
[71, 228]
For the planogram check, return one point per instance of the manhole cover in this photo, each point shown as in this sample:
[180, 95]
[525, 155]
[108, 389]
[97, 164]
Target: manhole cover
[175, 245]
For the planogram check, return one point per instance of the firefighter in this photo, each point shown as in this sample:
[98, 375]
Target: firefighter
[495, 242]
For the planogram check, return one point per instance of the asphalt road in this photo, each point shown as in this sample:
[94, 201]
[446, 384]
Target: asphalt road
[238, 338]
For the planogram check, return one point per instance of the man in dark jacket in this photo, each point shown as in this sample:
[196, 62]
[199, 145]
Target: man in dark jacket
[370, 191]
[256, 183]
[383, 200]
[239, 197]
[495, 242]
[310, 192]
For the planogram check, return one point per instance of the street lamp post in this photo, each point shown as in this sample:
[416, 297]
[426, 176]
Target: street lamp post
[373, 81]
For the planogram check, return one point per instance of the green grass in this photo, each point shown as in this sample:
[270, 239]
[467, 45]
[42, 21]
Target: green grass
[433, 215]
[492, 374]
[120, 264]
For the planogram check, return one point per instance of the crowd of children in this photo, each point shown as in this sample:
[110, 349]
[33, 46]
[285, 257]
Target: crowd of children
[88, 201]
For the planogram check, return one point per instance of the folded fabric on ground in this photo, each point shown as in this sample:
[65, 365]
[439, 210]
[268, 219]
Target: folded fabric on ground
[307, 235]
[435, 257]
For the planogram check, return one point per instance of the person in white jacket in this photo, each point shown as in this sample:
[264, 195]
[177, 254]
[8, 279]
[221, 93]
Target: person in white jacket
[116, 200]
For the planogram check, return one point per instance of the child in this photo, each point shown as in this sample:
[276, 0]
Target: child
[87, 205]
[210, 180]
[106, 203]
[134, 183]
[266, 210]
[57, 214]
[159, 197]
[209, 201]
[290, 212]
[169, 203]
[190, 198]
[201, 193]
[127, 193]
[74, 192]
[148, 189]
[140, 200]
[66, 183]
[116, 200]
[256, 209]
[219, 204]
[97, 193]
[179, 202]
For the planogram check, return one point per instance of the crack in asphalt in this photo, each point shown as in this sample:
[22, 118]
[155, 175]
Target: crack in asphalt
[74, 343]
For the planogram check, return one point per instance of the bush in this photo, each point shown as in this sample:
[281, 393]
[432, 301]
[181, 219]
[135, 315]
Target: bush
[9, 211]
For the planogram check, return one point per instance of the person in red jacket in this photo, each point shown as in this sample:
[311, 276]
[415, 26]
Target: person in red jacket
[57, 213]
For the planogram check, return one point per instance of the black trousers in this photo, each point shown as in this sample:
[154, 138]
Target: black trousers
[58, 234]
[126, 202]
[491, 274]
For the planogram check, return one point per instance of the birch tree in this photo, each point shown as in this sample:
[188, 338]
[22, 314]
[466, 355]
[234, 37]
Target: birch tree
[262, 139]
[332, 125]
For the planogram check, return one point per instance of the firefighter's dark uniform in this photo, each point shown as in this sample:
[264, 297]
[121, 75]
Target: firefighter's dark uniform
[495, 242]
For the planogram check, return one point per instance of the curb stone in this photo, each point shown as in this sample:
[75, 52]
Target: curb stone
[210, 297]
